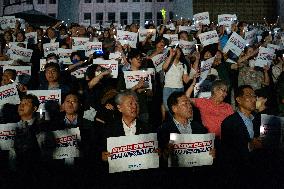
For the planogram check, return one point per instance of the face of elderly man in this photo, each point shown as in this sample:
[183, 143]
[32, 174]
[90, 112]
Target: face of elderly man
[183, 108]
[128, 107]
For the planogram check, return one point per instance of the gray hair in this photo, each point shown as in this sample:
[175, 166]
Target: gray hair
[218, 84]
[119, 96]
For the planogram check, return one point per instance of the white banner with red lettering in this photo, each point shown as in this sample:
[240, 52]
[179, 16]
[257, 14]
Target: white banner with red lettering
[265, 57]
[226, 19]
[91, 47]
[21, 70]
[133, 77]
[236, 44]
[125, 37]
[191, 150]
[78, 43]
[129, 153]
[173, 38]
[49, 48]
[202, 18]
[7, 136]
[79, 73]
[45, 96]
[209, 38]
[108, 64]
[159, 60]
[9, 94]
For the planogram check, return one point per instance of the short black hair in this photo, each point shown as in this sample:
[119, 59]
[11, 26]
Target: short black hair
[75, 53]
[13, 72]
[173, 100]
[159, 39]
[35, 101]
[134, 53]
[52, 64]
[240, 90]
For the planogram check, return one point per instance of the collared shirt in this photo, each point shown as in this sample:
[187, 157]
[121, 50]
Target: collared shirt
[69, 122]
[183, 129]
[24, 124]
[248, 123]
[129, 131]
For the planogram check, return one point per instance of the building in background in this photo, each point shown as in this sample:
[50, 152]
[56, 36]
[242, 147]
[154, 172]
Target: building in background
[252, 11]
[140, 11]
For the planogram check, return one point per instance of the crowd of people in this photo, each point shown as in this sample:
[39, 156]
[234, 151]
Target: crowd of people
[239, 93]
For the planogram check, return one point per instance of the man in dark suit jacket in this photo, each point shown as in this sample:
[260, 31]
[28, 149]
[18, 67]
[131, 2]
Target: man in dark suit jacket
[238, 136]
[181, 123]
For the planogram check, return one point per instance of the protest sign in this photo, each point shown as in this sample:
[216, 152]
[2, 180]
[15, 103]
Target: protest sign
[274, 47]
[9, 94]
[133, 77]
[31, 37]
[45, 96]
[62, 144]
[7, 136]
[186, 46]
[42, 63]
[144, 32]
[64, 56]
[116, 55]
[6, 63]
[20, 53]
[19, 44]
[204, 71]
[271, 131]
[191, 150]
[265, 57]
[108, 64]
[209, 38]
[226, 19]
[236, 44]
[7, 22]
[79, 73]
[159, 60]
[125, 37]
[78, 43]
[202, 18]
[21, 70]
[91, 47]
[50, 48]
[129, 153]
[173, 38]
[250, 36]
[185, 28]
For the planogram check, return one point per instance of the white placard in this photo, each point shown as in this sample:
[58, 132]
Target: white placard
[46, 95]
[274, 47]
[202, 18]
[50, 48]
[132, 152]
[191, 150]
[116, 55]
[31, 37]
[42, 63]
[108, 64]
[173, 38]
[159, 60]
[91, 47]
[236, 44]
[6, 63]
[9, 94]
[7, 136]
[20, 53]
[21, 70]
[125, 37]
[209, 38]
[133, 77]
[186, 46]
[144, 32]
[250, 36]
[79, 73]
[185, 28]
[265, 57]
[7, 22]
[226, 19]
[78, 43]
[18, 44]
[64, 56]
[204, 71]
[63, 144]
